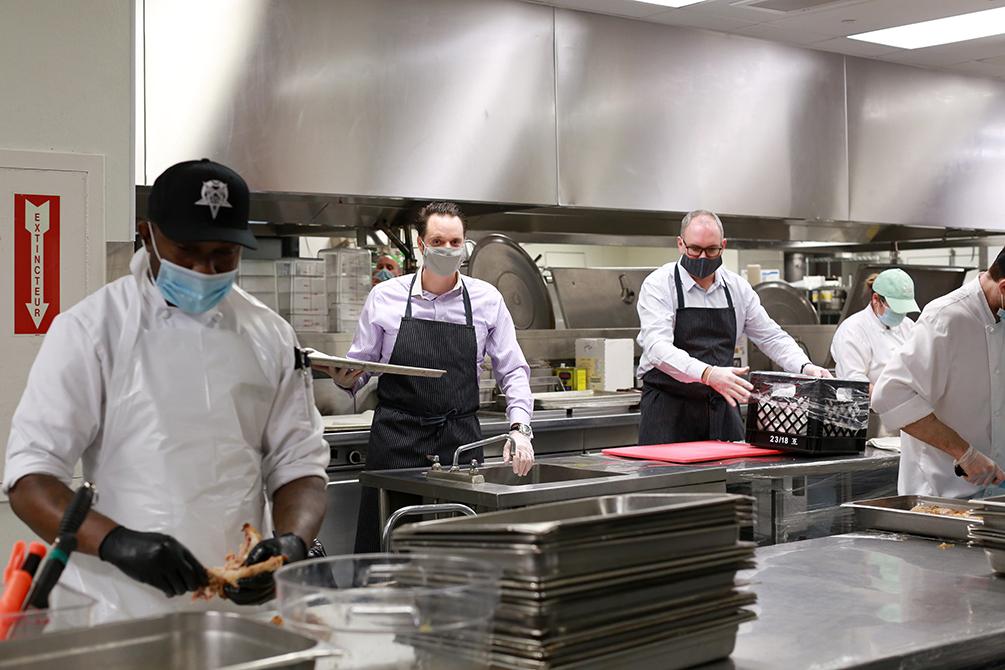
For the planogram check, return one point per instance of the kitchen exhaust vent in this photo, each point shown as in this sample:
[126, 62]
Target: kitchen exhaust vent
[787, 6]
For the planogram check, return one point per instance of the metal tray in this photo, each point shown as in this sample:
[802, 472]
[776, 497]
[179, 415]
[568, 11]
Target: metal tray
[675, 653]
[540, 592]
[632, 629]
[585, 558]
[569, 618]
[894, 514]
[190, 640]
[581, 518]
[656, 525]
[659, 648]
[325, 362]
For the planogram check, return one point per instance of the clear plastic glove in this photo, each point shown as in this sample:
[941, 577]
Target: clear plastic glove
[980, 470]
[817, 371]
[519, 449]
[729, 383]
[344, 377]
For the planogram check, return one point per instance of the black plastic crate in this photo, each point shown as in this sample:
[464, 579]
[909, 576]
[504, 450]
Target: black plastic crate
[807, 414]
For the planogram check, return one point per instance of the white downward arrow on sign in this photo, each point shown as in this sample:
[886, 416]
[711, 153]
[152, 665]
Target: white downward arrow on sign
[36, 222]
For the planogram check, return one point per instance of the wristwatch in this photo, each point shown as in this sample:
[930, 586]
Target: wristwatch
[523, 429]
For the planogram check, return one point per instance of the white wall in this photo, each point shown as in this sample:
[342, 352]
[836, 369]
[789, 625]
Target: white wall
[66, 68]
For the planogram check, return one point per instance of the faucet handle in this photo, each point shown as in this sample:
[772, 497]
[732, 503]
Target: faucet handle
[474, 467]
[435, 460]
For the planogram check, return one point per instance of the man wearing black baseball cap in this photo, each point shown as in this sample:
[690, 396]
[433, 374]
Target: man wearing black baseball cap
[944, 388]
[178, 392]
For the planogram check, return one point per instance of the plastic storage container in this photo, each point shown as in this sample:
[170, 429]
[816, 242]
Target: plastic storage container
[74, 610]
[343, 318]
[258, 277]
[807, 414]
[392, 611]
[300, 267]
[346, 261]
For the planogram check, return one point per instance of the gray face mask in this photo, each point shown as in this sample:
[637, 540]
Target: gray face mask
[443, 261]
[700, 267]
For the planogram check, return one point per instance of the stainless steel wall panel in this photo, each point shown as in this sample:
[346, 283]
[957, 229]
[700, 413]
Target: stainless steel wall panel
[416, 98]
[925, 147]
[662, 118]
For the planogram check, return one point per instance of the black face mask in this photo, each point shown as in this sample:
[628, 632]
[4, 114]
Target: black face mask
[700, 267]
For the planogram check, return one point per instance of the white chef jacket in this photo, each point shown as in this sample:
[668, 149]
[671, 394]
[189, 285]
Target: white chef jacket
[863, 345]
[950, 366]
[59, 418]
[657, 313]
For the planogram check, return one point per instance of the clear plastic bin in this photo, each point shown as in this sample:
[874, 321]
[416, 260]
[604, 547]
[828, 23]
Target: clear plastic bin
[75, 610]
[388, 611]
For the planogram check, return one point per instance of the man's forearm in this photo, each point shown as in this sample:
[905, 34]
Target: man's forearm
[299, 507]
[41, 500]
[939, 435]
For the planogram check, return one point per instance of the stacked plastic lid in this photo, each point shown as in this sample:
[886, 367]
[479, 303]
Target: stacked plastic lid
[639, 581]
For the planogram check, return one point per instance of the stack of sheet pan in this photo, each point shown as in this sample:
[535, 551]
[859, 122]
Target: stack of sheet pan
[639, 580]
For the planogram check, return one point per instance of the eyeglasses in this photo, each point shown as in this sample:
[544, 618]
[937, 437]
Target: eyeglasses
[694, 251]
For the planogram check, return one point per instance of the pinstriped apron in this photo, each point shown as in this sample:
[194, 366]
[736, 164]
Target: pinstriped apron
[418, 417]
[674, 411]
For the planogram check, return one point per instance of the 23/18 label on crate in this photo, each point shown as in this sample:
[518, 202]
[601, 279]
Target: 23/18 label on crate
[783, 440]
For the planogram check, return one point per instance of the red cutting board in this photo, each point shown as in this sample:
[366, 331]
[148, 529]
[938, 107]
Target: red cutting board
[692, 452]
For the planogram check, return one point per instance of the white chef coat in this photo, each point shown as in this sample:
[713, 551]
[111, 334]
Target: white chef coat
[657, 313]
[863, 345]
[59, 419]
[949, 366]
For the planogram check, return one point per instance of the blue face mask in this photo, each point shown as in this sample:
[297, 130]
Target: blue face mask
[383, 275]
[190, 291]
[891, 319]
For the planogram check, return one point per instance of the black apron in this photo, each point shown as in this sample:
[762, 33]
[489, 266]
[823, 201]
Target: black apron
[673, 411]
[417, 417]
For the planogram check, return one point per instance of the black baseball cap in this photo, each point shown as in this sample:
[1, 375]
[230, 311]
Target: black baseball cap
[201, 201]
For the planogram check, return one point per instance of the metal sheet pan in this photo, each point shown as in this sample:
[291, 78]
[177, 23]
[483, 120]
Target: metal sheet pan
[579, 559]
[675, 653]
[570, 617]
[192, 640]
[656, 525]
[591, 515]
[894, 514]
[325, 362]
[628, 632]
[546, 588]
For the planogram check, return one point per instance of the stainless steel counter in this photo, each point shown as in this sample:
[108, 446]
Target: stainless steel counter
[872, 601]
[625, 423]
[625, 477]
[800, 497]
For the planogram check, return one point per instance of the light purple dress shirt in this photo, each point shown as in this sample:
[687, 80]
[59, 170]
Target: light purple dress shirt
[377, 332]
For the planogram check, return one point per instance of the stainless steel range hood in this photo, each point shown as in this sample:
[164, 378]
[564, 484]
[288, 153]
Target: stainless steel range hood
[564, 122]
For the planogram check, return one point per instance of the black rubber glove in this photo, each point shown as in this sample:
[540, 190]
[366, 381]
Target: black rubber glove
[155, 559]
[262, 588]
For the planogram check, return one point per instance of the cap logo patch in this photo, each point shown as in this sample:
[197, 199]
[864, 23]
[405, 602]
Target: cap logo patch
[214, 196]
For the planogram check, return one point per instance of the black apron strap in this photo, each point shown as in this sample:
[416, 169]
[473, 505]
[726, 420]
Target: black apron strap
[408, 300]
[468, 314]
[729, 298]
[677, 285]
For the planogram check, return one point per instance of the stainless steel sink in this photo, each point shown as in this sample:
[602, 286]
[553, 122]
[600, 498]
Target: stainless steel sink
[541, 473]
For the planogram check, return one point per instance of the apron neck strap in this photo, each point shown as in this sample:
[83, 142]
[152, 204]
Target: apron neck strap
[468, 318]
[680, 289]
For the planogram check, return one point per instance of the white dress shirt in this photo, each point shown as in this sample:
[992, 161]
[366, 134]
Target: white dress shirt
[657, 312]
[61, 413]
[950, 366]
[863, 345]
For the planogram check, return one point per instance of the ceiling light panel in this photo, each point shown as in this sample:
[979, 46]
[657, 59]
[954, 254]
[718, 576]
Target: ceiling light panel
[939, 31]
